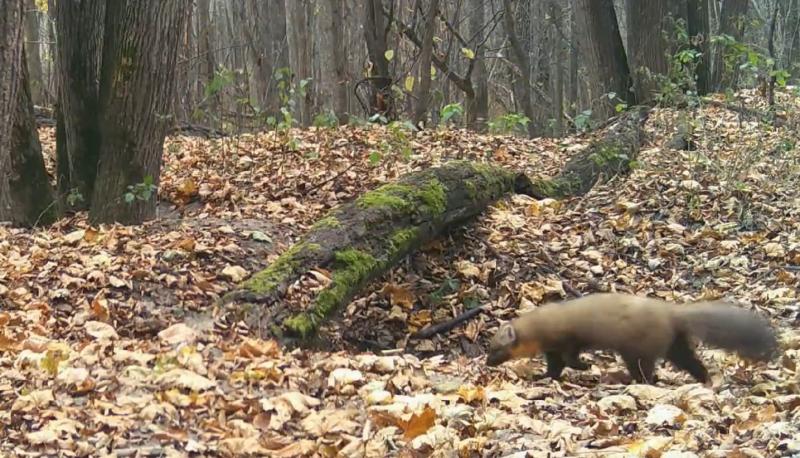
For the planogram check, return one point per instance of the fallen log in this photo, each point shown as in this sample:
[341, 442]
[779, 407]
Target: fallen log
[361, 240]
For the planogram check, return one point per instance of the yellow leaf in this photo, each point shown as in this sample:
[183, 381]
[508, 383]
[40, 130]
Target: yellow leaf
[468, 53]
[399, 295]
[389, 54]
[409, 83]
[471, 393]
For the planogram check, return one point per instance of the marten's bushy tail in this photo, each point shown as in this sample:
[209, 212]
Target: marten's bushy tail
[729, 327]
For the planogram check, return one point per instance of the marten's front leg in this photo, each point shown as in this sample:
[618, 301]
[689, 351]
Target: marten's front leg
[555, 364]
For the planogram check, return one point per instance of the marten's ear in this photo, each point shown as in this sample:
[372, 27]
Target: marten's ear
[506, 335]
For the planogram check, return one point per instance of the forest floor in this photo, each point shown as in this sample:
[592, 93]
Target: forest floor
[111, 343]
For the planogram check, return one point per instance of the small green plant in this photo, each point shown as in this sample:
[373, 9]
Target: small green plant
[509, 123]
[399, 139]
[287, 94]
[326, 119]
[141, 191]
[223, 77]
[450, 111]
[583, 120]
[74, 197]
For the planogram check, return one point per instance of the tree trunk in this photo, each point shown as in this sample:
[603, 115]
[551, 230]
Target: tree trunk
[265, 33]
[478, 105]
[520, 58]
[330, 72]
[137, 87]
[700, 34]
[733, 19]
[423, 91]
[792, 42]
[207, 61]
[604, 55]
[79, 30]
[32, 50]
[557, 14]
[650, 29]
[574, 45]
[359, 241]
[297, 33]
[26, 198]
[375, 31]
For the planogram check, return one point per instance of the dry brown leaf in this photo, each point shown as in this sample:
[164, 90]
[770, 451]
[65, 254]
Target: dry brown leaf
[418, 424]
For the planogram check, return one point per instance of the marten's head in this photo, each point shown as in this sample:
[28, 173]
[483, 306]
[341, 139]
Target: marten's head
[506, 345]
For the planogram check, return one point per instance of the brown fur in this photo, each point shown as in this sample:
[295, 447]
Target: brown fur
[642, 330]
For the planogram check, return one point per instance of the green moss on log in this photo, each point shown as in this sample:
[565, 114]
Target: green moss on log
[265, 281]
[405, 198]
[329, 221]
[434, 195]
[351, 268]
[393, 195]
[491, 183]
[401, 240]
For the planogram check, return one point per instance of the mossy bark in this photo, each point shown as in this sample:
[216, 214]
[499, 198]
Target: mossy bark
[359, 241]
[612, 153]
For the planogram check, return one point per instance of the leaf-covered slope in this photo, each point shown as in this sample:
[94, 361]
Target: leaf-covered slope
[109, 339]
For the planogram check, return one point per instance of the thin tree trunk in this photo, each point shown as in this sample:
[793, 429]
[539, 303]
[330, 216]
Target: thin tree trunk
[33, 52]
[137, 87]
[522, 61]
[297, 32]
[423, 91]
[478, 102]
[558, 84]
[699, 30]
[26, 197]
[572, 93]
[207, 61]
[375, 30]
[732, 22]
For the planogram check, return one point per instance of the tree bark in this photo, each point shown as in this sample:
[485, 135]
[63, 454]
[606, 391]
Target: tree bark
[26, 198]
[604, 55]
[423, 91]
[137, 86]
[359, 241]
[79, 30]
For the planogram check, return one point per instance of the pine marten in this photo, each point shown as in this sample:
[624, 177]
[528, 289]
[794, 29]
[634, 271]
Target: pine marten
[642, 330]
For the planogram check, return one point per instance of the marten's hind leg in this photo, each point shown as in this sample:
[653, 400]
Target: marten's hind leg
[641, 368]
[682, 355]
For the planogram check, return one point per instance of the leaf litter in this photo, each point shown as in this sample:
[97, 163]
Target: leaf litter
[111, 345]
